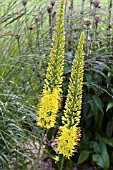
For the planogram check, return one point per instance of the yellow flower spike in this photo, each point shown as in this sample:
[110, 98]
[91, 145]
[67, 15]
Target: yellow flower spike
[74, 97]
[69, 133]
[56, 58]
[51, 95]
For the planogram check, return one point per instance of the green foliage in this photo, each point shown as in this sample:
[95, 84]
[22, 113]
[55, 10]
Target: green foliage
[83, 156]
[97, 118]
[16, 114]
[102, 158]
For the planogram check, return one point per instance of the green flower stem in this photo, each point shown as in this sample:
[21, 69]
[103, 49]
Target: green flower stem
[39, 150]
[62, 163]
[27, 32]
[19, 46]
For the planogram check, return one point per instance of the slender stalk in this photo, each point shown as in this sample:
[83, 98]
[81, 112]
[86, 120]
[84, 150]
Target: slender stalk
[71, 4]
[28, 33]
[39, 150]
[50, 25]
[37, 37]
[82, 12]
[109, 21]
[86, 44]
[62, 163]
[90, 6]
[65, 6]
[18, 46]
[82, 9]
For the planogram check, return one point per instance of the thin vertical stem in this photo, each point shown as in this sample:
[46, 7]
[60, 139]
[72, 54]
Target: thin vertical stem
[38, 29]
[109, 20]
[19, 46]
[39, 150]
[50, 25]
[28, 34]
[90, 6]
[71, 4]
[82, 9]
[62, 163]
[65, 6]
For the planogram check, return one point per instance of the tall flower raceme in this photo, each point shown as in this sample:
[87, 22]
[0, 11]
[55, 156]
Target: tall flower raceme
[69, 133]
[51, 95]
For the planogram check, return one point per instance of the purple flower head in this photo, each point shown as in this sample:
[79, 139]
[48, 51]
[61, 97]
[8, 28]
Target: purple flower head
[38, 19]
[30, 27]
[97, 18]
[87, 21]
[52, 2]
[49, 9]
[96, 3]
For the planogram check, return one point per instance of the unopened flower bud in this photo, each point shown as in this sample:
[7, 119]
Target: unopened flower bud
[109, 27]
[30, 27]
[17, 36]
[97, 18]
[52, 2]
[96, 3]
[24, 2]
[91, 1]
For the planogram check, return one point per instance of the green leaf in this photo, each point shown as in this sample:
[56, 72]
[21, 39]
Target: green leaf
[102, 65]
[100, 120]
[99, 72]
[83, 156]
[102, 49]
[95, 110]
[108, 141]
[95, 146]
[109, 106]
[102, 159]
[98, 103]
[109, 128]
